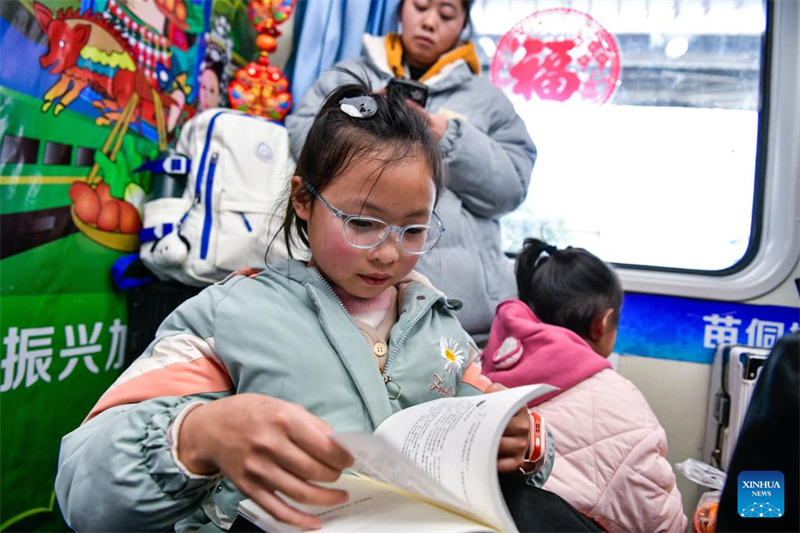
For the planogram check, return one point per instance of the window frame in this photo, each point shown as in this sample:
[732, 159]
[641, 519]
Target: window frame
[774, 247]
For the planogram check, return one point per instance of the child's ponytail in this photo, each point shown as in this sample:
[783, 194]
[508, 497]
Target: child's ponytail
[529, 258]
[568, 287]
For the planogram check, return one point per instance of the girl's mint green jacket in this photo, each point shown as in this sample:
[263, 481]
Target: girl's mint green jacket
[283, 333]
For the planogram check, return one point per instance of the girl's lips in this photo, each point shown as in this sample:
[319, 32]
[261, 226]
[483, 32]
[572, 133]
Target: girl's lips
[374, 280]
[424, 40]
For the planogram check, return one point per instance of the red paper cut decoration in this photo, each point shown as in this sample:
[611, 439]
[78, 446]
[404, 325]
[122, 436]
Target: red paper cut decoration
[260, 88]
[560, 55]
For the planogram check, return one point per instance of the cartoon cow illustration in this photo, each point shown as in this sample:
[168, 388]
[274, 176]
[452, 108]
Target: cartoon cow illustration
[87, 52]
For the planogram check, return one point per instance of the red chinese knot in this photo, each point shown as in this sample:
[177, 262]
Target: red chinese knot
[559, 55]
[260, 88]
[266, 15]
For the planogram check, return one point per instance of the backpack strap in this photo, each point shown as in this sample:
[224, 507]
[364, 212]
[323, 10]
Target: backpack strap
[174, 164]
[156, 232]
[121, 273]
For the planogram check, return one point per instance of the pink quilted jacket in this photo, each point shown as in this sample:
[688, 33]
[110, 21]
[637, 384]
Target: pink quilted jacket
[610, 448]
[611, 456]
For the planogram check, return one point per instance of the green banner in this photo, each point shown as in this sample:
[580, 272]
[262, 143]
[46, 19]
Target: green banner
[89, 90]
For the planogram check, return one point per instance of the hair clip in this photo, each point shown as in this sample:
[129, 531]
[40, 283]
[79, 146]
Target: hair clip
[359, 106]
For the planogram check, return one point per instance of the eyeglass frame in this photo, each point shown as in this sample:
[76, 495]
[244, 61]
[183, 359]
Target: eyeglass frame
[400, 230]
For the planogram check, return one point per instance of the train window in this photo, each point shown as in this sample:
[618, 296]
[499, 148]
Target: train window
[84, 157]
[662, 173]
[17, 149]
[57, 153]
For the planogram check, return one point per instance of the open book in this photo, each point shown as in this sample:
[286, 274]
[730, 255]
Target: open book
[431, 467]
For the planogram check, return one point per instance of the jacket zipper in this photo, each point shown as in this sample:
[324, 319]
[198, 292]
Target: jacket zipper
[346, 312]
[390, 359]
[387, 379]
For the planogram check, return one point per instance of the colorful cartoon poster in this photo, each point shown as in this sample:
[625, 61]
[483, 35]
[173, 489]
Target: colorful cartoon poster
[89, 90]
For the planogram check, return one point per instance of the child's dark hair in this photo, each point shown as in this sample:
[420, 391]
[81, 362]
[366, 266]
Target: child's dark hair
[336, 140]
[567, 288]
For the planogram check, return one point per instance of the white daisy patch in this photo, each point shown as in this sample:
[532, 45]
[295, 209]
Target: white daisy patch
[452, 354]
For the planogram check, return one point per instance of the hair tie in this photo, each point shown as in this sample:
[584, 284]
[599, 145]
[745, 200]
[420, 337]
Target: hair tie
[544, 255]
[359, 106]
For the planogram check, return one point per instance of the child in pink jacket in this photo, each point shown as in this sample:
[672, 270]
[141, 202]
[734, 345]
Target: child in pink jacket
[610, 448]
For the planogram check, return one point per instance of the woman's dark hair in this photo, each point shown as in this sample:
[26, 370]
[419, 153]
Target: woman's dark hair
[465, 4]
[336, 140]
[216, 59]
[567, 288]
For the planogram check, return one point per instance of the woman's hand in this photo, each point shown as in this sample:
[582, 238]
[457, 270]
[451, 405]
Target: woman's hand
[265, 445]
[514, 443]
[436, 123]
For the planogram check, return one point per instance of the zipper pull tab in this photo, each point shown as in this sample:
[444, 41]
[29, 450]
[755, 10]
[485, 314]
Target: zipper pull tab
[393, 387]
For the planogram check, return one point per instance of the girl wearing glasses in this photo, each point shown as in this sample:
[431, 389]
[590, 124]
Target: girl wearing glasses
[244, 383]
[487, 150]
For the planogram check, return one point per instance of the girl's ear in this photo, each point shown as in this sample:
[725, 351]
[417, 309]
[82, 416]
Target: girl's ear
[301, 200]
[601, 324]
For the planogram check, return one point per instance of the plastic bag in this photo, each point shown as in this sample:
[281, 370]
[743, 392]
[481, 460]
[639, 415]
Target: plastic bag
[704, 519]
[702, 473]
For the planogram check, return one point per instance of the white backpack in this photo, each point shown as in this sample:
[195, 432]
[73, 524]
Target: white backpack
[238, 168]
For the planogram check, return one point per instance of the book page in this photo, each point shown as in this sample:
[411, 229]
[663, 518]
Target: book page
[452, 444]
[372, 507]
[381, 462]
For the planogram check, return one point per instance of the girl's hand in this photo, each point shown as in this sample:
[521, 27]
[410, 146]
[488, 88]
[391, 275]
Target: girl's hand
[265, 445]
[436, 123]
[514, 443]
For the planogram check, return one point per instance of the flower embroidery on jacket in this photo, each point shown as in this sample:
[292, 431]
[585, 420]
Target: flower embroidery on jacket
[452, 354]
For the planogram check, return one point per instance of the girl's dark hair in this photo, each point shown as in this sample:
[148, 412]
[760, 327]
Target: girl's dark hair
[465, 4]
[568, 287]
[336, 140]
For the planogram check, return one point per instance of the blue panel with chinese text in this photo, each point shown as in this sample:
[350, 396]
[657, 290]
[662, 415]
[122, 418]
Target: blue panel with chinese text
[685, 329]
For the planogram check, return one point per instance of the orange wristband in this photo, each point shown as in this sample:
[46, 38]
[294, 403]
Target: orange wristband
[537, 445]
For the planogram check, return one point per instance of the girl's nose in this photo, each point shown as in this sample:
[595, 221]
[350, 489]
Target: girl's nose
[388, 251]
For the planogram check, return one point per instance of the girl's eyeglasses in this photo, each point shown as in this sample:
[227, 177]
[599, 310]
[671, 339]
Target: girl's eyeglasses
[365, 232]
